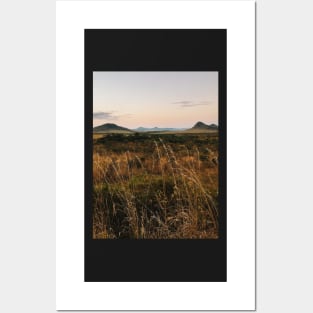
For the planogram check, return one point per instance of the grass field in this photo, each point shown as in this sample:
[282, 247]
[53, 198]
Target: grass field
[155, 186]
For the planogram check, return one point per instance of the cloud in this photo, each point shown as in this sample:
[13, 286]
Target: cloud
[188, 104]
[182, 102]
[108, 116]
[105, 116]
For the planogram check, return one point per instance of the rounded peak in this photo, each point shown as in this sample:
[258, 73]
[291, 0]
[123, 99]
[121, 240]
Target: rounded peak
[200, 125]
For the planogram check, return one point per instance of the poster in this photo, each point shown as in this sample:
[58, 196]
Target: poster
[155, 155]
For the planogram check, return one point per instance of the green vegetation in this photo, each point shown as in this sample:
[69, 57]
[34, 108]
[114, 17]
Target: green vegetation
[159, 186]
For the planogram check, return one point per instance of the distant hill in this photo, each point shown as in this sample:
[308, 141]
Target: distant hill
[155, 129]
[111, 128]
[200, 125]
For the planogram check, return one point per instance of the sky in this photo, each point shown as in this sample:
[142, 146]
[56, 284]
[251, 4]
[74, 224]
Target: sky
[155, 99]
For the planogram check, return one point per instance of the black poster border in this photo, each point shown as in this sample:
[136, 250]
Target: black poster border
[130, 260]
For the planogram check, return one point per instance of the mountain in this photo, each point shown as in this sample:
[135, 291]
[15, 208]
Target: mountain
[111, 128]
[200, 125]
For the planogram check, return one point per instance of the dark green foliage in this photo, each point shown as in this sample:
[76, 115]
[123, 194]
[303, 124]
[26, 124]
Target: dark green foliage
[144, 142]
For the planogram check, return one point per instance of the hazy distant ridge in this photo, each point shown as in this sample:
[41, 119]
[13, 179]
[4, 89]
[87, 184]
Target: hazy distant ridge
[113, 128]
[146, 129]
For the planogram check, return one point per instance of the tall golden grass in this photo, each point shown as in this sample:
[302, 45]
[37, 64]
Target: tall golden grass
[158, 196]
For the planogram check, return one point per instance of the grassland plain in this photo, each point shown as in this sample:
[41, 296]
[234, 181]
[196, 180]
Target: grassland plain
[155, 185]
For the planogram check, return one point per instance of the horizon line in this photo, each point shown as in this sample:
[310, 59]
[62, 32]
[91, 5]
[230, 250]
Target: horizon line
[211, 123]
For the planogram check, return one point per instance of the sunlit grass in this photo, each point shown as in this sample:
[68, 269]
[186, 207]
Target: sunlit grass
[162, 194]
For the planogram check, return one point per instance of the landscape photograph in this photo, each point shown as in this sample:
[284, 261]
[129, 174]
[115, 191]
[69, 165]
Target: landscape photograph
[155, 155]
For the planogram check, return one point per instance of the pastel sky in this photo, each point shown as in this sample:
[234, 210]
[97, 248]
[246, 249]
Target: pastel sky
[149, 99]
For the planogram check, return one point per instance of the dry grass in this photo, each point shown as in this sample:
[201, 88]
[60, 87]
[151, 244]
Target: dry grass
[161, 195]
